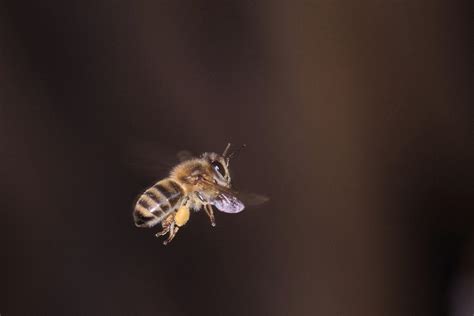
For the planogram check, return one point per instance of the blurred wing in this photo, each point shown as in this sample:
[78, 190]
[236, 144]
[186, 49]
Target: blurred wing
[184, 155]
[228, 203]
[151, 159]
[252, 199]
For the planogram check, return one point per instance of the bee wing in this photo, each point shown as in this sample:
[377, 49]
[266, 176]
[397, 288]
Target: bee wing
[184, 155]
[252, 199]
[228, 203]
[151, 159]
[231, 201]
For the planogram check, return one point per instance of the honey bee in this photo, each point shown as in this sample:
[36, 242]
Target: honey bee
[193, 184]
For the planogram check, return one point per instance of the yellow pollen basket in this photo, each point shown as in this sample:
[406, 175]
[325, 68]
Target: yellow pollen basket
[182, 216]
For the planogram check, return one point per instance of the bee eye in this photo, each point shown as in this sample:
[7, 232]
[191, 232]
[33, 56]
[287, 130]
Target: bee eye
[218, 167]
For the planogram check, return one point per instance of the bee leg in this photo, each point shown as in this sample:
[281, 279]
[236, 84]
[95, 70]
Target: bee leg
[163, 232]
[166, 223]
[173, 230]
[210, 213]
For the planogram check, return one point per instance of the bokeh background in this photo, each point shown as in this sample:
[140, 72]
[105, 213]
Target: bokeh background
[358, 121]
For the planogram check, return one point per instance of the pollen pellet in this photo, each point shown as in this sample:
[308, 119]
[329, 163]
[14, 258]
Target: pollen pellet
[182, 216]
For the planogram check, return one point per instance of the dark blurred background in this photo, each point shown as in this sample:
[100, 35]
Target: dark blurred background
[358, 124]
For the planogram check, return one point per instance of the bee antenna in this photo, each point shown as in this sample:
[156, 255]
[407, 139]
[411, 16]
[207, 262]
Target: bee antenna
[236, 153]
[226, 150]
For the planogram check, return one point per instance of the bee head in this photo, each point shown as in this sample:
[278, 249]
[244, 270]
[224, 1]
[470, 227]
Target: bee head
[220, 164]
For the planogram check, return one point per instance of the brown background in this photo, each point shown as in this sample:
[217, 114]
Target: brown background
[358, 124]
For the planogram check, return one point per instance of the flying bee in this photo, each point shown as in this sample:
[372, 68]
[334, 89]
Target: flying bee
[193, 184]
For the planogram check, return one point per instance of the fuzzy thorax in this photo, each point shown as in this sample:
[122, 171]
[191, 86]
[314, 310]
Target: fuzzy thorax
[186, 173]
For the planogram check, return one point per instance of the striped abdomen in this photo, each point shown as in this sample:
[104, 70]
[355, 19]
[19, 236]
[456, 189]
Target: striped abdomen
[157, 202]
